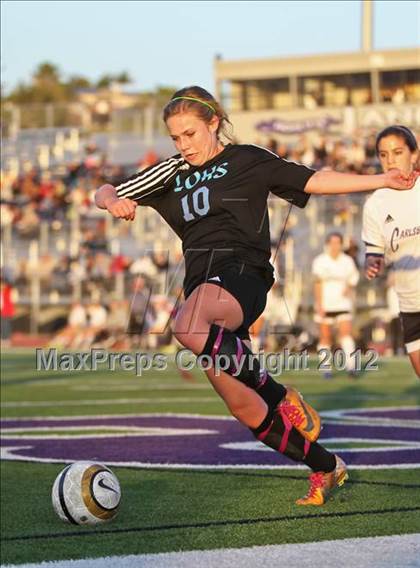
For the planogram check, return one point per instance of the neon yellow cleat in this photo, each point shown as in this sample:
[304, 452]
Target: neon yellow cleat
[300, 414]
[322, 484]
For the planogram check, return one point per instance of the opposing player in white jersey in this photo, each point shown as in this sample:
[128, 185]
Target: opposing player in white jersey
[336, 276]
[391, 232]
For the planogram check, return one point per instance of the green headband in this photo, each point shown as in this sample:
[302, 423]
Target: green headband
[193, 99]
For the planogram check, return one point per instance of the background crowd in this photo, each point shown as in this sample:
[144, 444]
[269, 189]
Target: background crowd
[115, 294]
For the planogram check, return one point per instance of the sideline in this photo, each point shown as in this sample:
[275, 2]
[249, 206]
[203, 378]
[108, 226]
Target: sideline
[398, 551]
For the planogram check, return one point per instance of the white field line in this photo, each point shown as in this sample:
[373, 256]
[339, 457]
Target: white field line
[120, 432]
[335, 417]
[346, 415]
[95, 385]
[388, 445]
[123, 386]
[109, 431]
[141, 387]
[398, 551]
[8, 453]
[340, 420]
[104, 401]
[339, 412]
[132, 415]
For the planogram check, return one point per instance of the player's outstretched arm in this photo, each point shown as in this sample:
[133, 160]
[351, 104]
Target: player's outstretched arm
[140, 189]
[106, 198]
[329, 182]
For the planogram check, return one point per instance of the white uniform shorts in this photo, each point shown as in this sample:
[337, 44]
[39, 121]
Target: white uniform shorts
[332, 318]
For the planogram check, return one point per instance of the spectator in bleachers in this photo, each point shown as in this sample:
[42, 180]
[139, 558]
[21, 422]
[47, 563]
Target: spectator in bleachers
[141, 315]
[96, 325]
[47, 264]
[28, 223]
[59, 194]
[144, 266]
[148, 159]
[7, 311]
[117, 323]
[160, 259]
[119, 263]
[159, 333]
[72, 334]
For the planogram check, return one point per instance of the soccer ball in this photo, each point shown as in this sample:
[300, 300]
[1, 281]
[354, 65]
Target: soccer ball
[86, 493]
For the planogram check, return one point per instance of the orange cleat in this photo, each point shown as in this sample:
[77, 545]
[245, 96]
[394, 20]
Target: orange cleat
[300, 414]
[322, 484]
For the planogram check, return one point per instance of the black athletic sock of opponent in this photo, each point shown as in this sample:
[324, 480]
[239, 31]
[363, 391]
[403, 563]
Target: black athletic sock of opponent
[277, 432]
[243, 365]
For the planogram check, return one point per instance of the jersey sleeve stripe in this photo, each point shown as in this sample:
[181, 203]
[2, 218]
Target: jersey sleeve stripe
[149, 180]
[152, 171]
[138, 186]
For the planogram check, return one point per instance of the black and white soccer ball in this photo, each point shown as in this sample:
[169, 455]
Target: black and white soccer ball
[86, 493]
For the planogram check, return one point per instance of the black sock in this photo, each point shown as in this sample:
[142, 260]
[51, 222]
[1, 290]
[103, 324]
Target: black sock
[271, 432]
[270, 391]
[320, 459]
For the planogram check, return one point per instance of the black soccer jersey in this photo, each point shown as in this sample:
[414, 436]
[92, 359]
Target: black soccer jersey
[219, 209]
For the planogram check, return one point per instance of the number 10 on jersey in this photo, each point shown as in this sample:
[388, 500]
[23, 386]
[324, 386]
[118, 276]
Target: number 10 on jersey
[198, 201]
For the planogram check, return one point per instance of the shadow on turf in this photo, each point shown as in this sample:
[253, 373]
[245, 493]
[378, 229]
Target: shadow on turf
[224, 472]
[235, 522]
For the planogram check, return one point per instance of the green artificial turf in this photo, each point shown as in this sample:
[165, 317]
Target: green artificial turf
[168, 510]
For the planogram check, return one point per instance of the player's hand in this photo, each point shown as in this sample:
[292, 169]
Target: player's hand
[396, 179]
[320, 312]
[374, 266]
[122, 208]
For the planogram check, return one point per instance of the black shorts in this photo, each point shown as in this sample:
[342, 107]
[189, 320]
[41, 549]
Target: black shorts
[410, 322]
[331, 318]
[249, 287]
[336, 314]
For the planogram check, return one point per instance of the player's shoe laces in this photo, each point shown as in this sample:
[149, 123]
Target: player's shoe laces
[322, 484]
[300, 414]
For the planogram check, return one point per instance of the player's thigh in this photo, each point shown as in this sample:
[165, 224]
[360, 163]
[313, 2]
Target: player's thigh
[344, 327]
[415, 361]
[207, 304]
[325, 332]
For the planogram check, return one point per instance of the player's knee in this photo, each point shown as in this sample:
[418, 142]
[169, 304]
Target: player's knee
[189, 339]
[240, 412]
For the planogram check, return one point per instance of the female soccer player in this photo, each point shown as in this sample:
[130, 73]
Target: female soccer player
[214, 196]
[336, 276]
[391, 231]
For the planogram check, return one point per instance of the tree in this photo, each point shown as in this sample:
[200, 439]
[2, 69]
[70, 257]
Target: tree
[104, 82]
[123, 78]
[78, 82]
[46, 72]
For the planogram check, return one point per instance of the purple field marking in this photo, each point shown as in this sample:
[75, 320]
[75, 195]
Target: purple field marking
[187, 449]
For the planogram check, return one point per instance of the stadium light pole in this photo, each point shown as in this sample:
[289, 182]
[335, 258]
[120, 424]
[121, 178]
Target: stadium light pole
[367, 25]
